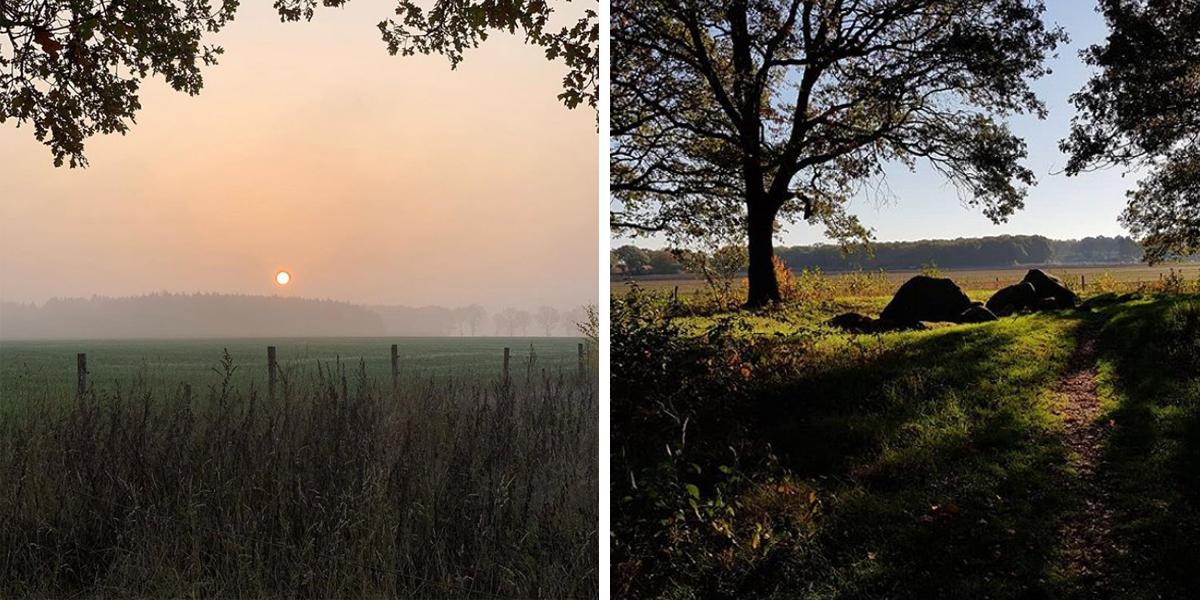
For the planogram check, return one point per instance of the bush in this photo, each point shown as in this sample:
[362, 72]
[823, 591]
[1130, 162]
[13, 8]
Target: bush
[860, 283]
[693, 491]
[1105, 283]
[814, 288]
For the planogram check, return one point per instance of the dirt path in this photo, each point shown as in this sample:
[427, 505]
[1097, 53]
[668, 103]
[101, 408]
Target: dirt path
[1087, 541]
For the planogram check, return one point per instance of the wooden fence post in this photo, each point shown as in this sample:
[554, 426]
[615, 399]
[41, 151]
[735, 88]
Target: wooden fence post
[581, 359]
[395, 367]
[82, 372]
[1082, 283]
[272, 370]
[187, 393]
[506, 355]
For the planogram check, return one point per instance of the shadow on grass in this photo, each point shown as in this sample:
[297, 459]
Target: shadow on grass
[1150, 375]
[942, 459]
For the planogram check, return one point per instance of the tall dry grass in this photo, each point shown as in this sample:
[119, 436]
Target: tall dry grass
[460, 488]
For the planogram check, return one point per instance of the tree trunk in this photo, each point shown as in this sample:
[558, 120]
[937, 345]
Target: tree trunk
[764, 288]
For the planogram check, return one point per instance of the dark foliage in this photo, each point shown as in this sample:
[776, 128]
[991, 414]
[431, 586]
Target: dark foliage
[1142, 110]
[73, 68]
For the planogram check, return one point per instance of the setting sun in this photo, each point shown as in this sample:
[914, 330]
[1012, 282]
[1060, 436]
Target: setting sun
[283, 277]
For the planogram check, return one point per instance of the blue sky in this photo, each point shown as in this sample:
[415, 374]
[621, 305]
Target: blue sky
[1060, 207]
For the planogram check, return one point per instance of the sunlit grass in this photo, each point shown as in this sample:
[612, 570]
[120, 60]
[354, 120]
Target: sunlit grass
[929, 463]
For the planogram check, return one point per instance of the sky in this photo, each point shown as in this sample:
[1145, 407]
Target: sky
[924, 206]
[371, 178]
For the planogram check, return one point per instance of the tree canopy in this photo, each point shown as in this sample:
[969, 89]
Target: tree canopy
[729, 117]
[73, 68]
[1141, 110]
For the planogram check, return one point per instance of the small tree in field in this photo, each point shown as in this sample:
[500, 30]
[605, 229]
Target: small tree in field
[521, 320]
[718, 269]
[475, 315]
[589, 324]
[729, 117]
[548, 317]
[505, 321]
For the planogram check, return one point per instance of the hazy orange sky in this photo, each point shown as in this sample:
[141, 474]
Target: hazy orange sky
[371, 178]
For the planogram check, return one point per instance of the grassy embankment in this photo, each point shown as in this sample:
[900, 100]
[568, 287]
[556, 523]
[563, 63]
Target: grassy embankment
[442, 488]
[768, 456]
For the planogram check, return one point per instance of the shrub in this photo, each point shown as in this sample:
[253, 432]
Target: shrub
[814, 288]
[860, 283]
[685, 504]
[786, 279]
[1175, 283]
[1105, 283]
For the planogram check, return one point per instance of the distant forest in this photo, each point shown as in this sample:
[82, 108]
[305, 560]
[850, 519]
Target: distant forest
[962, 253]
[167, 315]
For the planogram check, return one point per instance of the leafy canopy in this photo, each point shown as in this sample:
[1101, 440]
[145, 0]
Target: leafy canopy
[73, 68]
[1142, 110]
[789, 108]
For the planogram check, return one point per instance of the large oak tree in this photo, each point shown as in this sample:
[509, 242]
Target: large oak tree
[73, 68]
[1141, 110]
[734, 116]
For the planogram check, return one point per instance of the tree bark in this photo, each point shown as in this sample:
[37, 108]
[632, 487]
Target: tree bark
[764, 288]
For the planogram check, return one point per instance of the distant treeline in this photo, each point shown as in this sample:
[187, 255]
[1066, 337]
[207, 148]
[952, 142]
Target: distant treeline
[961, 253]
[167, 315]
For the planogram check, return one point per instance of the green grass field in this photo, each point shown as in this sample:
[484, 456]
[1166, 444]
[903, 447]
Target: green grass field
[975, 279]
[765, 455]
[49, 367]
[456, 483]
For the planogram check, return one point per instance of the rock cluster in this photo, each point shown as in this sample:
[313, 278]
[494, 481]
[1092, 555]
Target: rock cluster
[927, 299]
[1039, 290]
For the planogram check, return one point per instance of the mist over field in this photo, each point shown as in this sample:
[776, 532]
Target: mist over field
[239, 316]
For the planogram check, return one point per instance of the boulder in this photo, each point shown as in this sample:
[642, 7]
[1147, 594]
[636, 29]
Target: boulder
[856, 323]
[883, 325]
[1011, 299]
[925, 298]
[1047, 304]
[1046, 285]
[1007, 310]
[852, 321]
[977, 313]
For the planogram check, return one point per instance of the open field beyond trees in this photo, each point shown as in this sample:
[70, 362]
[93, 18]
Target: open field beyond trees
[1098, 278]
[763, 454]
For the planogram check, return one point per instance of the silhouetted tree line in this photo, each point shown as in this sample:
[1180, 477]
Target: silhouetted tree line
[966, 253]
[230, 315]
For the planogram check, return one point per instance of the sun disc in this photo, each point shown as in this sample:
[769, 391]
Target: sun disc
[283, 278]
